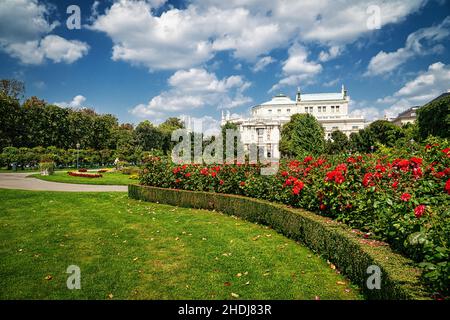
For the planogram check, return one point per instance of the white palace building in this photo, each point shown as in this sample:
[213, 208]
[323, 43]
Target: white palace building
[264, 126]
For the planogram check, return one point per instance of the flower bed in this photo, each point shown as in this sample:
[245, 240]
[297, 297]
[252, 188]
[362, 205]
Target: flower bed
[399, 198]
[82, 170]
[84, 175]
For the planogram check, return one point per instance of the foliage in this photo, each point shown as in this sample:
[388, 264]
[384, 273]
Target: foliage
[47, 167]
[434, 118]
[303, 134]
[338, 143]
[348, 250]
[401, 197]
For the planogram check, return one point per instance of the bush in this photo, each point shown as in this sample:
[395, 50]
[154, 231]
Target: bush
[348, 250]
[401, 200]
[82, 170]
[47, 168]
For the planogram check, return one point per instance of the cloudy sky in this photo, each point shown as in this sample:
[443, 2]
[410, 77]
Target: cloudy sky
[156, 58]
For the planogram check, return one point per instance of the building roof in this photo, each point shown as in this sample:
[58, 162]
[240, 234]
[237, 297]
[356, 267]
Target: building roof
[321, 96]
[408, 112]
[279, 99]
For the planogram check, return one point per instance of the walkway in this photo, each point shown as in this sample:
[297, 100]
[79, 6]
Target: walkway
[21, 181]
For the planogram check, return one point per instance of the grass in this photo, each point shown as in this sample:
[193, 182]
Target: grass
[109, 178]
[128, 249]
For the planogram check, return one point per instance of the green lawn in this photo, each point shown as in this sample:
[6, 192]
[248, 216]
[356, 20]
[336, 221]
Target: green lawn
[109, 178]
[128, 249]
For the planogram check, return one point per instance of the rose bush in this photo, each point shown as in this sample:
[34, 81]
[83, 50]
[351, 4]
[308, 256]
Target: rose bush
[394, 197]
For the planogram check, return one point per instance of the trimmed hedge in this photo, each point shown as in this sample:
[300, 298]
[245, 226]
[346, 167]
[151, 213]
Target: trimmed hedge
[336, 242]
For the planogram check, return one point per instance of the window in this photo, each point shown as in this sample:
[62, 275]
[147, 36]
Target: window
[337, 108]
[319, 109]
[288, 110]
[332, 108]
[324, 108]
[270, 110]
[335, 128]
[355, 128]
[279, 110]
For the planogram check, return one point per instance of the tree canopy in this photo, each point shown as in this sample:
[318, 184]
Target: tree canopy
[434, 118]
[302, 134]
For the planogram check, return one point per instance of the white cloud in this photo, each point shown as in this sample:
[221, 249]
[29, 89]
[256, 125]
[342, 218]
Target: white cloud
[23, 20]
[23, 28]
[332, 53]
[297, 68]
[418, 43]
[416, 92]
[77, 102]
[206, 124]
[262, 63]
[184, 38]
[51, 47]
[194, 89]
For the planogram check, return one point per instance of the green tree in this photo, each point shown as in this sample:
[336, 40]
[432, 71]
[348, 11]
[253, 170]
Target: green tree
[303, 134]
[338, 143]
[385, 132]
[12, 88]
[11, 125]
[434, 118]
[148, 137]
[166, 128]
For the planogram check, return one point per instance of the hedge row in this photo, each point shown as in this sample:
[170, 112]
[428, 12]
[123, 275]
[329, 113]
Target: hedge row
[344, 247]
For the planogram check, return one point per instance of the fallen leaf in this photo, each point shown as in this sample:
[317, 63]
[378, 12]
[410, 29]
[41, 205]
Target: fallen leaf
[316, 298]
[177, 238]
[234, 295]
[347, 290]
[135, 259]
[49, 277]
[332, 266]
[227, 284]
[247, 283]
[110, 296]
[341, 283]
[239, 275]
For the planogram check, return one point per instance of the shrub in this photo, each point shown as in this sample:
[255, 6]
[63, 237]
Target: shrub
[347, 249]
[401, 200]
[47, 168]
[82, 170]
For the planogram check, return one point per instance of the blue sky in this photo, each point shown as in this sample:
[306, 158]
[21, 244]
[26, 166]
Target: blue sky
[154, 59]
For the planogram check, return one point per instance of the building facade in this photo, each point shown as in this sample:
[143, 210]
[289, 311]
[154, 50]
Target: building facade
[263, 128]
[407, 116]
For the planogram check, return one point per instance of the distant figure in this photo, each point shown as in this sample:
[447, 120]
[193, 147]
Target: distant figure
[116, 163]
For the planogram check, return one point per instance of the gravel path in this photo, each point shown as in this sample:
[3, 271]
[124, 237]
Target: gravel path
[21, 181]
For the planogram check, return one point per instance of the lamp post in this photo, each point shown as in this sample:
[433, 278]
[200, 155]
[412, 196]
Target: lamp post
[78, 153]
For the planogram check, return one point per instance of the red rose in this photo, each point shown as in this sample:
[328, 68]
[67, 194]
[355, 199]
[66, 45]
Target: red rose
[242, 183]
[395, 185]
[187, 175]
[221, 182]
[307, 159]
[284, 173]
[419, 210]
[406, 197]
[322, 207]
[447, 186]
